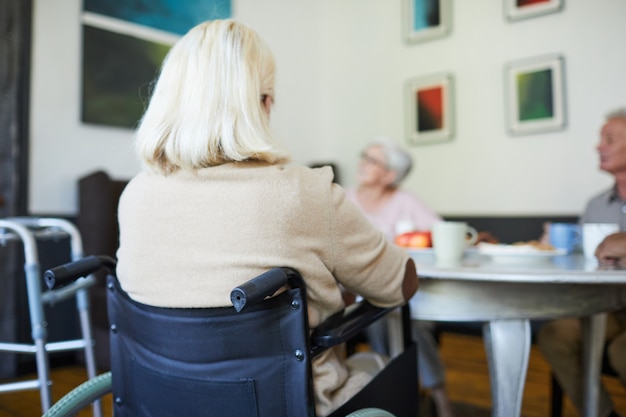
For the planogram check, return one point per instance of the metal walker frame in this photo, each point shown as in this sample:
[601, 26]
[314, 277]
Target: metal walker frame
[27, 229]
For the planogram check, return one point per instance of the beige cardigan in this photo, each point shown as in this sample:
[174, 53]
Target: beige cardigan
[187, 239]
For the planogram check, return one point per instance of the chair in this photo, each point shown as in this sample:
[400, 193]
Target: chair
[28, 229]
[96, 219]
[250, 360]
[557, 394]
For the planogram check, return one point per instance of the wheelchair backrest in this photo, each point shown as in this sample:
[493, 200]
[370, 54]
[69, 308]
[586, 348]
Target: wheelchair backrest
[210, 361]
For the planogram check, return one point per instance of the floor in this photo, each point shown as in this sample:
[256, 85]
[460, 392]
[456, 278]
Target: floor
[468, 379]
[466, 370]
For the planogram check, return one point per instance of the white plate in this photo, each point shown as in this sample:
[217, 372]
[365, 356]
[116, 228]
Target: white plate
[517, 253]
[419, 251]
[429, 251]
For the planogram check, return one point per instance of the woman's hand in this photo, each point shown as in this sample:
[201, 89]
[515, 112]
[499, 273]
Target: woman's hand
[612, 250]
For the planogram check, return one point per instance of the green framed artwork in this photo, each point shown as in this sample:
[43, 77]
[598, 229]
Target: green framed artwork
[535, 95]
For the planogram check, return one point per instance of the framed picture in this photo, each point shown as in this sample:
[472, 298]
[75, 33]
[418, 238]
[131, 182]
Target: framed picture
[429, 114]
[122, 35]
[535, 95]
[524, 9]
[426, 19]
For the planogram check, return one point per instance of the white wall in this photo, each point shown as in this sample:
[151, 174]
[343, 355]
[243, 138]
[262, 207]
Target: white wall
[341, 70]
[63, 149]
[483, 170]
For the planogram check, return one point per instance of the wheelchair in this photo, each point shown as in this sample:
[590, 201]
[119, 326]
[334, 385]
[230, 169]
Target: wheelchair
[251, 359]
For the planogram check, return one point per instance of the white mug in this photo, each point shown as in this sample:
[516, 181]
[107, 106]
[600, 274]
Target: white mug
[450, 239]
[594, 234]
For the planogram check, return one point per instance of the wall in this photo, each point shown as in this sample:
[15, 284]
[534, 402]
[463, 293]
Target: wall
[341, 70]
[483, 170]
[63, 149]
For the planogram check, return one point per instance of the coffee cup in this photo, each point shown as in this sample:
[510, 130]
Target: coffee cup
[450, 239]
[593, 234]
[565, 236]
[404, 226]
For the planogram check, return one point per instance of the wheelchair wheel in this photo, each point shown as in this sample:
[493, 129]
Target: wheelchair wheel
[370, 412]
[81, 396]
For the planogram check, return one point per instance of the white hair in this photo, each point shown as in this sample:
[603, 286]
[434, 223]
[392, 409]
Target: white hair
[398, 159]
[207, 107]
[617, 114]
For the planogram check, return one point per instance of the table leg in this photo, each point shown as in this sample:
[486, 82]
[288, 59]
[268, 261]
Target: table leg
[593, 329]
[507, 343]
[394, 333]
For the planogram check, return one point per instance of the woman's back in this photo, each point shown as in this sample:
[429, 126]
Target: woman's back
[188, 238]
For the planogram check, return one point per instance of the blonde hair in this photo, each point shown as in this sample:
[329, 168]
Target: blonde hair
[207, 106]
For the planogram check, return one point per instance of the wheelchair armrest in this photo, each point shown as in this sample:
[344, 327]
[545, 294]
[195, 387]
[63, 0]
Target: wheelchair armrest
[346, 324]
[67, 273]
[263, 286]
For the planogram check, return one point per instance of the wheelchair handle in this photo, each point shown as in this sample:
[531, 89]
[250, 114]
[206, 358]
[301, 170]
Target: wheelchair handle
[67, 273]
[257, 289]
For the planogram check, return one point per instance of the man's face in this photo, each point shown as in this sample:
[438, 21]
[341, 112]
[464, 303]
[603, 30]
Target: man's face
[612, 146]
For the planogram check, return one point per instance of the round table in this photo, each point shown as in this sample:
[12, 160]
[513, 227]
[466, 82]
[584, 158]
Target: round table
[505, 295]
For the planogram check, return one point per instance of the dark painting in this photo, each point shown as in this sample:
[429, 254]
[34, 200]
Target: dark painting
[117, 74]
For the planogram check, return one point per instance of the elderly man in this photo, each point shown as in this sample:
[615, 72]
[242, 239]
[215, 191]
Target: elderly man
[560, 341]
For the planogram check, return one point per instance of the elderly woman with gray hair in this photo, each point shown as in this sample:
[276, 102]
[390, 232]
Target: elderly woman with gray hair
[383, 166]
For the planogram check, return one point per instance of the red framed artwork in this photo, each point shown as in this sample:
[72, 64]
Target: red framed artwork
[524, 9]
[429, 109]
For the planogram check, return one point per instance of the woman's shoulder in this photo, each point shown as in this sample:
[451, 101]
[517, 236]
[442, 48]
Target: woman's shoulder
[406, 196]
[406, 200]
[143, 179]
[281, 175]
[325, 172]
[322, 176]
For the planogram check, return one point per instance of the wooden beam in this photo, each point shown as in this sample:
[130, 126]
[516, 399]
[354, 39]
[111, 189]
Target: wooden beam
[15, 42]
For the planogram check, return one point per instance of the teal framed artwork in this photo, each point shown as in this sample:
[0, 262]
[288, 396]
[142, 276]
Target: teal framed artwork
[535, 95]
[424, 20]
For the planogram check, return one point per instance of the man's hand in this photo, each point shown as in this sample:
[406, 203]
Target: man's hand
[486, 237]
[612, 250]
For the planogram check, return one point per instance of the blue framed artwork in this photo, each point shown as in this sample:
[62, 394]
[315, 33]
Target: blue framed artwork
[124, 44]
[426, 19]
[176, 16]
[536, 95]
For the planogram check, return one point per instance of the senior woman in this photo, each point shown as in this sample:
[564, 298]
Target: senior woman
[216, 204]
[383, 166]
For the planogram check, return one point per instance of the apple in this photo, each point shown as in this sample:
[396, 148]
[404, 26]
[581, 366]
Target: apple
[417, 239]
